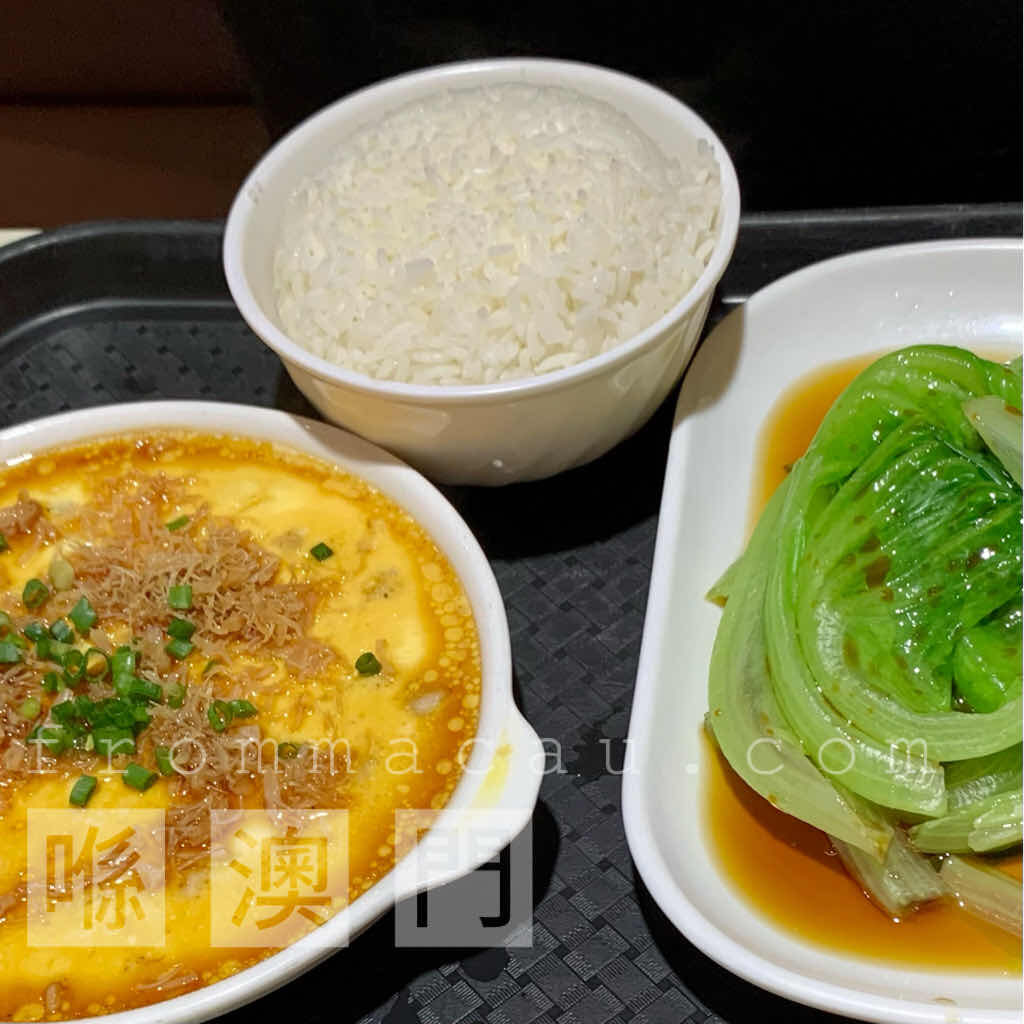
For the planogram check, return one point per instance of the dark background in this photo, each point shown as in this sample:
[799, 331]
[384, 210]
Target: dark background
[121, 108]
[820, 104]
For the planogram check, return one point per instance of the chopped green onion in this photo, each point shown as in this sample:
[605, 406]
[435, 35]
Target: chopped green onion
[97, 664]
[83, 615]
[181, 629]
[163, 760]
[180, 597]
[53, 737]
[59, 630]
[113, 739]
[62, 573]
[52, 683]
[143, 689]
[9, 653]
[35, 594]
[34, 631]
[179, 649]
[242, 709]
[30, 707]
[137, 777]
[134, 688]
[177, 524]
[81, 740]
[56, 651]
[5, 621]
[122, 663]
[4, 546]
[74, 665]
[52, 650]
[65, 711]
[174, 694]
[321, 552]
[112, 711]
[82, 790]
[288, 750]
[219, 714]
[367, 664]
[139, 715]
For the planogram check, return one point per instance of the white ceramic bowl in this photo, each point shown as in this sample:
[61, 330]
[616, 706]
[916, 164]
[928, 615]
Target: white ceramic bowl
[483, 434]
[504, 770]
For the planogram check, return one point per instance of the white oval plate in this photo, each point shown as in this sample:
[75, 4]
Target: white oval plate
[967, 293]
[504, 769]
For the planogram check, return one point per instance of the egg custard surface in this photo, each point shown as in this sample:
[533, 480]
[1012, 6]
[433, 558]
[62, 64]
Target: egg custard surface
[224, 667]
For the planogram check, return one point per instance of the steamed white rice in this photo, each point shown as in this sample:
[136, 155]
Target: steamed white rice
[493, 233]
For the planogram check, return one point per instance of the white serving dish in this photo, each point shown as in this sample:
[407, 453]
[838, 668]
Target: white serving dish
[494, 433]
[967, 293]
[506, 742]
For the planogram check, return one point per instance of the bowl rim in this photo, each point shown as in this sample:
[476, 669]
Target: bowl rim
[448, 75]
[501, 723]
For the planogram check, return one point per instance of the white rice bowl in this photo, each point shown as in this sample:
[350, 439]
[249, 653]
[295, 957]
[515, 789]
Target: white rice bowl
[489, 234]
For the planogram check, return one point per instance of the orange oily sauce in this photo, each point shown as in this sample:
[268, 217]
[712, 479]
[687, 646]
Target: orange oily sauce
[776, 860]
[387, 580]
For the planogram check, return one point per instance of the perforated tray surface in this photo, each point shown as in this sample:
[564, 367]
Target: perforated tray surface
[131, 311]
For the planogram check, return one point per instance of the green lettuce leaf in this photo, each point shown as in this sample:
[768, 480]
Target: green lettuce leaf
[877, 606]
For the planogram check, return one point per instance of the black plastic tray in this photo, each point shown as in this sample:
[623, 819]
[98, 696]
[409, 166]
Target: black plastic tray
[127, 311]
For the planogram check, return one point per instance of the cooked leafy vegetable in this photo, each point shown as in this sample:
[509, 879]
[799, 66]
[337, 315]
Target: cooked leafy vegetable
[986, 893]
[971, 781]
[990, 824]
[987, 660]
[867, 669]
[746, 720]
[999, 424]
[902, 881]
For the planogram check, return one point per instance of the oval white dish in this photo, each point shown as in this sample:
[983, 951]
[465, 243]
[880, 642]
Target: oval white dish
[965, 293]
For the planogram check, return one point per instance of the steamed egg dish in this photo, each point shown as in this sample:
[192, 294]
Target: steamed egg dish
[224, 667]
